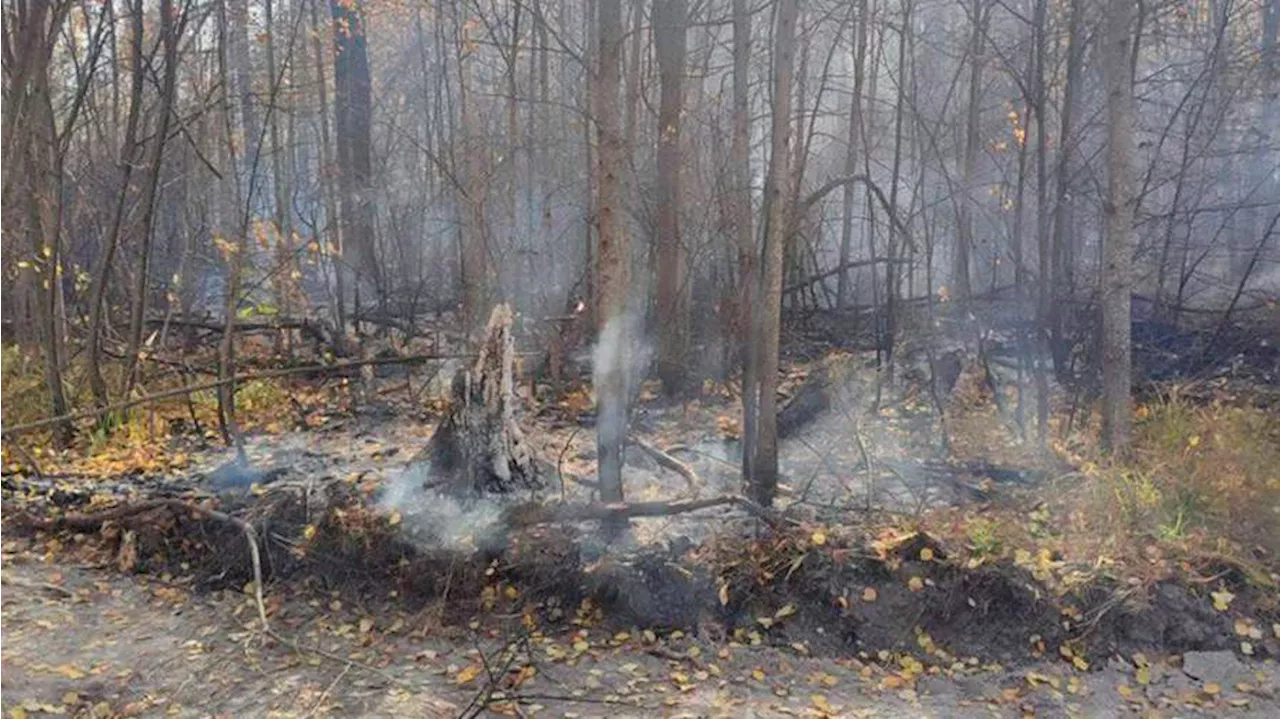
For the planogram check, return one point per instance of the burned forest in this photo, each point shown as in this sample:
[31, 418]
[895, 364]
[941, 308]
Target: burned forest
[688, 358]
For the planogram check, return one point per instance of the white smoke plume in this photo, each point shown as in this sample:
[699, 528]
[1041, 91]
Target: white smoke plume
[623, 341]
[431, 519]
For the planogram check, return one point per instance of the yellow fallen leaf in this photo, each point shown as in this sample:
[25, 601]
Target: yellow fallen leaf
[724, 594]
[468, 674]
[1143, 675]
[786, 611]
[581, 646]
[821, 704]
[869, 594]
[915, 584]
[1193, 440]
[1080, 663]
[1212, 689]
[309, 532]
[1246, 648]
[18, 713]
[71, 698]
[70, 672]
[394, 518]
[366, 625]
[818, 538]
[758, 674]
[1035, 679]
[1222, 600]
[926, 555]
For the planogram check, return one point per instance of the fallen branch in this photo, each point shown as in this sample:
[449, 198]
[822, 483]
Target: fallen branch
[816, 196]
[525, 515]
[666, 461]
[334, 368]
[842, 267]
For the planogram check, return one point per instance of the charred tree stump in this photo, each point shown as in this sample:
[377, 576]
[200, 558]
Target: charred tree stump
[478, 447]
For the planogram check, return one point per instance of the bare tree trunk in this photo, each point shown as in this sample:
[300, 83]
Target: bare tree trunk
[891, 269]
[238, 57]
[589, 258]
[280, 181]
[333, 245]
[964, 241]
[475, 236]
[130, 157]
[1062, 209]
[744, 235]
[353, 104]
[513, 139]
[44, 214]
[1040, 101]
[851, 153]
[1117, 280]
[170, 32]
[766, 329]
[234, 251]
[614, 259]
[670, 18]
[633, 62]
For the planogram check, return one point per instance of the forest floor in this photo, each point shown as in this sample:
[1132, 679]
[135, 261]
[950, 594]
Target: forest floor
[986, 575]
[86, 641]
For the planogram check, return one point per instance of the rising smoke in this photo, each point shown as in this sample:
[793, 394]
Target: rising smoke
[433, 520]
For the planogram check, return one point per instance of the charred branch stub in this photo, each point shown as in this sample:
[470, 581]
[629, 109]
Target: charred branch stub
[478, 447]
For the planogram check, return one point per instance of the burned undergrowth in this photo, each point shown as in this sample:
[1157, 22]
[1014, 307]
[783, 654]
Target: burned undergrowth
[878, 594]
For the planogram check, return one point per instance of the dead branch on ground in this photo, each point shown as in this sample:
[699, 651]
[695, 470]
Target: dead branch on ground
[666, 461]
[530, 514]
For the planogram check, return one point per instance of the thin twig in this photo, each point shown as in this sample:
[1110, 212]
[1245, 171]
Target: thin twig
[560, 460]
[325, 694]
